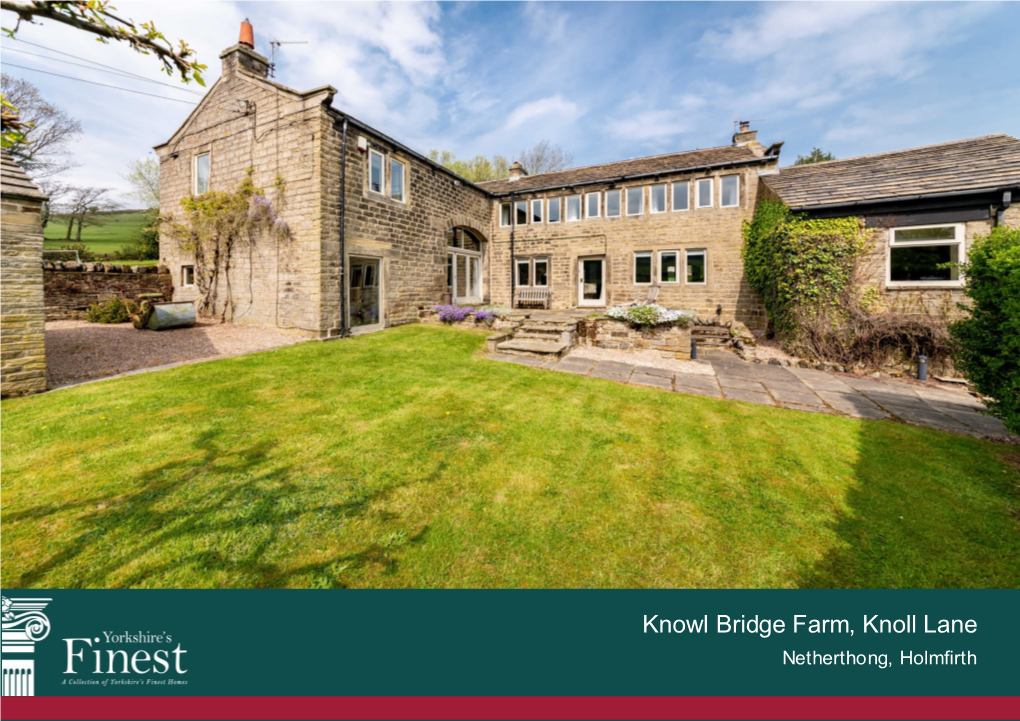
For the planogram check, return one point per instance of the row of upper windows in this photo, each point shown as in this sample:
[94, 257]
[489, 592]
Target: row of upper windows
[626, 201]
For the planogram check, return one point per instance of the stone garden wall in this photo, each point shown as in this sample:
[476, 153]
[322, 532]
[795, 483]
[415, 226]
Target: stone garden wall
[670, 341]
[70, 288]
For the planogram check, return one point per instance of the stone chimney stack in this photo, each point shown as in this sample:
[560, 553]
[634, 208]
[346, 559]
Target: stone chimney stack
[745, 137]
[243, 56]
[517, 171]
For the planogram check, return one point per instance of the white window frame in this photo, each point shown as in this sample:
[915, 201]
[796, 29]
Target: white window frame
[382, 170]
[665, 198]
[194, 174]
[184, 276]
[641, 209]
[580, 208]
[672, 196]
[541, 212]
[526, 262]
[598, 205]
[959, 240]
[695, 251]
[527, 211]
[697, 193]
[403, 175]
[534, 273]
[721, 196]
[559, 210]
[509, 215]
[619, 203]
[651, 261]
[679, 267]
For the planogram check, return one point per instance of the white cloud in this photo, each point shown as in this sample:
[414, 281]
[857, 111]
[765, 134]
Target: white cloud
[649, 125]
[555, 105]
[545, 21]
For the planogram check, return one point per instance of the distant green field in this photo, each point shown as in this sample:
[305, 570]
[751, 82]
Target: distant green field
[116, 230]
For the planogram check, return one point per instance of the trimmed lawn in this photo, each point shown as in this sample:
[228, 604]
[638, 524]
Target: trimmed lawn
[117, 230]
[405, 458]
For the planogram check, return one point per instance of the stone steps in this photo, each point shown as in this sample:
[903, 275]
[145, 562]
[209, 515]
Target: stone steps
[528, 346]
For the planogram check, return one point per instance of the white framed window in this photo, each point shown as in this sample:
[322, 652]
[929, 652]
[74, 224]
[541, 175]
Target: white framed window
[376, 172]
[573, 208]
[524, 273]
[657, 198]
[397, 179]
[532, 272]
[187, 275]
[541, 272]
[554, 210]
[697, 271]
[643, 268]
[202, 168]
[522, 213]
[504, 215]
[926, 255]
[613, 200]
[703, 193]
[681, 196]
[729, 191]
[635, 201]
[536, 211]
[669, 266]
[592, 206]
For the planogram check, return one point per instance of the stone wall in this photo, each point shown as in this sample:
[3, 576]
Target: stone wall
[249, 122]
[408, 237]
[716, 230]
[22, 323]
[70, 288]
[670, 341]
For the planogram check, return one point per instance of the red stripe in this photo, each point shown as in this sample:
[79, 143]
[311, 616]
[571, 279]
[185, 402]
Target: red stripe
[512, 707]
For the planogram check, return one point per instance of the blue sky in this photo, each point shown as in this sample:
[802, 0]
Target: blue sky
[607, 81]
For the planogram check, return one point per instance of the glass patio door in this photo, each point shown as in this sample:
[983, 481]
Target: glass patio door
[363, 294]
[464, 277]
[591, 274]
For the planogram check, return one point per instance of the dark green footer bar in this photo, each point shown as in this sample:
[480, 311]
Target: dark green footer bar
[551, 643]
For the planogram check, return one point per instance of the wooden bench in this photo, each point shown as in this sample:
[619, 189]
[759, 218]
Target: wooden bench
[534, 295]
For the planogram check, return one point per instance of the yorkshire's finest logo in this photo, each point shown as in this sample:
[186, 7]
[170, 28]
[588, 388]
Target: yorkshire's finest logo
[24, 624]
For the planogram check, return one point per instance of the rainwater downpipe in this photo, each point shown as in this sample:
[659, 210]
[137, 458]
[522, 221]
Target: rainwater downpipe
[343, 210]
[1000, 214]
[513, 258]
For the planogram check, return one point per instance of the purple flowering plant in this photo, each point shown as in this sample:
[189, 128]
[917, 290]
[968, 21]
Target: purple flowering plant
[453, 313]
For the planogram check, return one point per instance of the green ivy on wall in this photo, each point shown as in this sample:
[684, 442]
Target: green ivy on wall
[799, 265]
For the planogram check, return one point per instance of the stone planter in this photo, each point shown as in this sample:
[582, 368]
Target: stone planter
[669, 340]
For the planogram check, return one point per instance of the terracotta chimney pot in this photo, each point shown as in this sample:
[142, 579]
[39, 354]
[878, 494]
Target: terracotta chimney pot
[247, 35]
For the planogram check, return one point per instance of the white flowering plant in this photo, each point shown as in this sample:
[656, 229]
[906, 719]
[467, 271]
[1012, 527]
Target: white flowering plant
[650, 314]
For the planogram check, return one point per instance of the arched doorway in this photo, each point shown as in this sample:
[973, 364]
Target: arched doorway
[464, 266]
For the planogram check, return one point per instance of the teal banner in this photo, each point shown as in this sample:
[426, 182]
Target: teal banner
[499, 643]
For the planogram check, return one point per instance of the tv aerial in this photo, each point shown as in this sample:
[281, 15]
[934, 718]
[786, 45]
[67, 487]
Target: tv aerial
[273, 45]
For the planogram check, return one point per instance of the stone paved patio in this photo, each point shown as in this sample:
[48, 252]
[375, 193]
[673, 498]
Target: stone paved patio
[934, 406]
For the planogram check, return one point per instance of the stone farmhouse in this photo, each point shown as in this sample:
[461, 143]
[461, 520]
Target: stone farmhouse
[379, 233]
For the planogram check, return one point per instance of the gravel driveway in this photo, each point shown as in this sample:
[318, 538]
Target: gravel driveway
[77, 351]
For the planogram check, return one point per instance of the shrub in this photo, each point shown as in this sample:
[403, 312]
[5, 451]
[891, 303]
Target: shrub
[987, 341]
[650, 314]
[799, 264]
[485, 316]
[499, 311]
[453, 313]
[144, 245]
[84, 254]
[112, 311]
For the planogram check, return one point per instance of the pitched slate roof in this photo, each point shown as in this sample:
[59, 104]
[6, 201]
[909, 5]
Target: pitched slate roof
[992, 161]
[625, 168]
[15, 182]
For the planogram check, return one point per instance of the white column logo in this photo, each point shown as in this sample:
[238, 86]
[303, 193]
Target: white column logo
[24, 623]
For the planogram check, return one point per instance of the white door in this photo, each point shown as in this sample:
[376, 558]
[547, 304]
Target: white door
[464, 277]
[591, 279]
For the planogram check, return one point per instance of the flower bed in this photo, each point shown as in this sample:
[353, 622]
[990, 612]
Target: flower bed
[488, 316]
[671, 341]
[651, 315]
